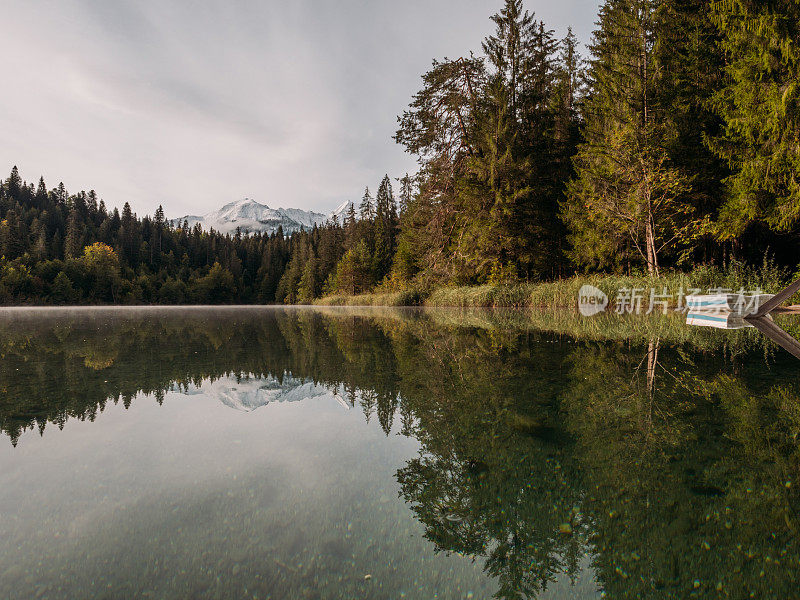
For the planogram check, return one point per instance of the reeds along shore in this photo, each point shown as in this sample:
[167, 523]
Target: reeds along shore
[563, 293]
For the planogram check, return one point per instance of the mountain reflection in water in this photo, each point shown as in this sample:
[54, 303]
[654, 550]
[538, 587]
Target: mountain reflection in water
[640, 458]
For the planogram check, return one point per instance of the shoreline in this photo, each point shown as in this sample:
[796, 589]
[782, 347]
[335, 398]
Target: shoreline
[560, 294]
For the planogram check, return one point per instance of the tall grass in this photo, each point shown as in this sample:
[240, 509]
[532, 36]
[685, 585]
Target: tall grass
[404, 297]
[563, 293]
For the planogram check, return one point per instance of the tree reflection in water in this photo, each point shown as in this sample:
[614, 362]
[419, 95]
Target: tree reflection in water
[668, 463]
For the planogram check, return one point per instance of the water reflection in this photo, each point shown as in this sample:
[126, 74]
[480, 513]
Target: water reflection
[662, 459]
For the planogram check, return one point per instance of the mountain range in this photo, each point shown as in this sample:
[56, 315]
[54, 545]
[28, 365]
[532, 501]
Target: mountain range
[252, 217]
[252, 392]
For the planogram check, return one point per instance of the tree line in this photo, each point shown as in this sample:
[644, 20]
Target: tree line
[60, 248]
[675, 142]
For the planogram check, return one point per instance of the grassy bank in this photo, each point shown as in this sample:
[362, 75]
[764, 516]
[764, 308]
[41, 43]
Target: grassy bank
[406, 297]
[563, 293]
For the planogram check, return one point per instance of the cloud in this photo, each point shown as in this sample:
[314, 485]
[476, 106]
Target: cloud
[192, 105]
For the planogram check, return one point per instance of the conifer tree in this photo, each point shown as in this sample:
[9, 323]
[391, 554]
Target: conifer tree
[62, 291]
[73, 243]
[40, 246]
[41, 194]
[57, 246]
[623, 202]
[14, 183]
[760, 108]
[308, 287]
[569, 88]
[159, 221]
[128, 237]
[61, 194]
[406, 193]
[330, 247]
[91, 204]
[516, 220]
[366, 209]
[385, 229]
[350, 227]
[689, 62]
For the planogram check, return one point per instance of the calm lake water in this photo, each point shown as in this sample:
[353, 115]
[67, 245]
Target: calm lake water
[388, 453]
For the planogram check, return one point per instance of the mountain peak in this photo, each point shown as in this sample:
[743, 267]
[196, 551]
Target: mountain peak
[341, 211]
[250, 216]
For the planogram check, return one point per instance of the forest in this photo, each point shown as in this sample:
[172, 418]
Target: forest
[674, 143]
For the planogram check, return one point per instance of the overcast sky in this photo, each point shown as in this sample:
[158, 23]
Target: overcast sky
[194, 104]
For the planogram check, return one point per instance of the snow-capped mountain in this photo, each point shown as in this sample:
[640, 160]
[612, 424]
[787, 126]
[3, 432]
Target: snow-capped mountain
[253, 217]
[251, 392]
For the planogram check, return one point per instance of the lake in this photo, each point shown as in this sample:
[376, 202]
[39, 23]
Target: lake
[393, 453]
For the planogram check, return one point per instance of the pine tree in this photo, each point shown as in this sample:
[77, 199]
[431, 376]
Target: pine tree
[41, 194]
[354, 271]
[566, 100]
[61, 194]
[406, 193]
[507, 52]
[14, 183]
[690, 69]
[73, 243]
[158, 220]
[385, 229]
[287, 289]
[760, 108]
[91, 204]
[62, 291]
[330, 248]
[568, 92]
[438, 126]
[366, 210]
[350, 220]
[490, 239]
[514, 216]
[308, 287]
[623, 201]
[40, 246]
[57, 246]
[128, 235]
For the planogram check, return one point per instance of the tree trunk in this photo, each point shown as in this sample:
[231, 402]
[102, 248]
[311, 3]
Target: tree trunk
[650, 237]
[650, 240]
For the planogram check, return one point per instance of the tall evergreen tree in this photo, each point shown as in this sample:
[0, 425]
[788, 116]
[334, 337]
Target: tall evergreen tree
[406, 193]
[507, 51]
[14, 183]
[41, 194]
[760, 108]
[517, 149]
[689, 70]
[366, 209]
[385, 229]
[128, 235]
[568, 91]
[73, 243]
[623, 204]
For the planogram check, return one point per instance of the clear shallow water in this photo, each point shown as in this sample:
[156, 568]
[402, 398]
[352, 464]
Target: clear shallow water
[278, 453]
